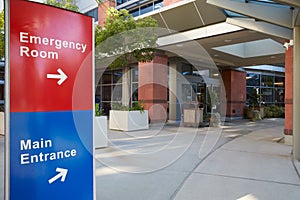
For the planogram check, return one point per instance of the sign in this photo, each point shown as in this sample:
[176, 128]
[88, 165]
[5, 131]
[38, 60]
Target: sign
[51, 103]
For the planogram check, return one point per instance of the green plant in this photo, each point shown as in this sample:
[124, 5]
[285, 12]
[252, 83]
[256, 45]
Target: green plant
[255, 99]
[213, 98]
[255, 115]
[274, 111]
[98, 110]
[247, 112]
[136, 106]
[119, 106]
[65, 4]
[133, 41]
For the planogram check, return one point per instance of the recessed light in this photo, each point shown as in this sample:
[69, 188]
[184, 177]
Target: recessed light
[273, 57]
[216, 55]
[228, 40]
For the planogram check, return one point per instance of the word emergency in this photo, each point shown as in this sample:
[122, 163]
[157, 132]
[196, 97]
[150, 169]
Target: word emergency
[26, 51]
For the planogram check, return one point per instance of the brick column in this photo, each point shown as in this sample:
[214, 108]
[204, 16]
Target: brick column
[170, 2]
[153, 87]
[102, 7]
[235, 87]
[288, 122]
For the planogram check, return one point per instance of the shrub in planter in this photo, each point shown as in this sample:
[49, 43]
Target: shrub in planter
[255, 115]
[98, 110]
[128, 119]
[274, 111]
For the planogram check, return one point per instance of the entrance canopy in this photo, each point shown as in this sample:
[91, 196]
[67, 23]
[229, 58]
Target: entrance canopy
[232, 32]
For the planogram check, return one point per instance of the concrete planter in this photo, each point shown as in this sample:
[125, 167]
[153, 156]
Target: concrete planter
[128, 120]
[100, 131]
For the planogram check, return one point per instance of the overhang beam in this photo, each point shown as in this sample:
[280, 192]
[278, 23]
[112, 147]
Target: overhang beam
[294, 3]
[195, 34]
[282, 16]
[262, 27]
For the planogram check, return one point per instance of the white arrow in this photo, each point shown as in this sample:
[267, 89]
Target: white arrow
[62, 174]
[61, 76]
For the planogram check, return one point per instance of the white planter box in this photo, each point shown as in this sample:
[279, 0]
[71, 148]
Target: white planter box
[100, 131]
[128, 120]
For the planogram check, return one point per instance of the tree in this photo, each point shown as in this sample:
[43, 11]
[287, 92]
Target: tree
[65, 4]
[2, 37]
[125, 46]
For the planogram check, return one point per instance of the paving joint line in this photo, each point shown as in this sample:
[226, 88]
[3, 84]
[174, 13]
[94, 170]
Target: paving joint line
[196, 166]
[250, 179]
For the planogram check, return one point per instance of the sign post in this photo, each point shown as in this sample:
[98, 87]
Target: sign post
[50, 103]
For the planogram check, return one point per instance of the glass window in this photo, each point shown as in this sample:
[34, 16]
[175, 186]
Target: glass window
[135, 12]
[134, 92]
[106, 78]
[252, 79]
[93, 13]
[134, 74]
[187, 92]
[158, 4]
[279, 95]
[279, 81]
[117, 92]
[98, 91]
[187, 69]
[117, 76]
[267, 95]
[147, 8]
[267, 80]
[106, 93]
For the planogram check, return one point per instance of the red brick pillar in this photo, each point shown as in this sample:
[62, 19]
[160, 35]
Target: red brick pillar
[102, 7]
[153, 87]
[235, 87]
[170, 2]
[288, 122]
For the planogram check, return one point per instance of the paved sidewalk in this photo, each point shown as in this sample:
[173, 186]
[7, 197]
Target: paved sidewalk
[243, 162]
[240, 161]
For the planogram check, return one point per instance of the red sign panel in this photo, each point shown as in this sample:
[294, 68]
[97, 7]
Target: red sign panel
[49, 47]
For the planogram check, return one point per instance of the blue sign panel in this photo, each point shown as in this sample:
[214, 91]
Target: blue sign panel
[51, 151]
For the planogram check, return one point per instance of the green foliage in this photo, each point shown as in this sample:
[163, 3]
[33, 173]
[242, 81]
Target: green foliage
[254, 97]
[119, 106]
[98, 110]
[273, 111]
[65, 4]
[136, 106]
[132, 41]
[2, 37]
[213, 98]
[255, 115]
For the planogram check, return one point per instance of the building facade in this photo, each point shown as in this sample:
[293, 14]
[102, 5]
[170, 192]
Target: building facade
[233, 33]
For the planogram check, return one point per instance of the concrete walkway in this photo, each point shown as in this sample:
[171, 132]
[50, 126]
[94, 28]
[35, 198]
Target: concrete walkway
[243, 160]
